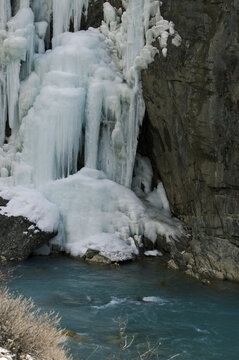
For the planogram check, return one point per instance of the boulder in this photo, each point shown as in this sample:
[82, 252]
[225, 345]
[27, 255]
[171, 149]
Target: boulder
[94, 257]
[19, 237]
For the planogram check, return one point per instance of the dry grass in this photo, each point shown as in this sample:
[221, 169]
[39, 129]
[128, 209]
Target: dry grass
[150, 353]
[23, 330]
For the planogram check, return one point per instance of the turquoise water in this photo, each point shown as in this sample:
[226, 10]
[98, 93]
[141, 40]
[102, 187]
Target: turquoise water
[190, 320]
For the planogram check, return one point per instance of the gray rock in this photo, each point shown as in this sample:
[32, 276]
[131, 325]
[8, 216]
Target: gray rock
[191, 131]
[215, 258]
[172, 265]
[98, 259]
[90, 253]
[19, 237]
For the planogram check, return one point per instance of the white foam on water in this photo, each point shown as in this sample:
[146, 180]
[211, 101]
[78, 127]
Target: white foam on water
[155, 299]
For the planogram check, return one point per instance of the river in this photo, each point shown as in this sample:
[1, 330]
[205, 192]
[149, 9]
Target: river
[191, 321]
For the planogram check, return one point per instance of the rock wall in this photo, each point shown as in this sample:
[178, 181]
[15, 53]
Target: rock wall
[192, 129]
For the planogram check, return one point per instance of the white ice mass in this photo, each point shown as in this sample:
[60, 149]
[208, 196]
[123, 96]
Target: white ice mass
[80, 105]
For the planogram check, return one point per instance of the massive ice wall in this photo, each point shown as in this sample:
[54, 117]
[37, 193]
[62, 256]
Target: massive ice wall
[82, 99]
[111, 111]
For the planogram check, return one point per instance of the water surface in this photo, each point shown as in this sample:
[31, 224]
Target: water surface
[191, 321]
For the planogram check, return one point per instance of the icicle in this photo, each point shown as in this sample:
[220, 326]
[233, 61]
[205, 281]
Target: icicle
[95, 99]
[136, 114]
[78, 10]
[43, 13]
[52, 131]
[5, 13]
[17, 45]
[62, 14]
[41, 29]
[23, 24]
[135, 34]
[3, 105]
[30, 37]
[13, 86]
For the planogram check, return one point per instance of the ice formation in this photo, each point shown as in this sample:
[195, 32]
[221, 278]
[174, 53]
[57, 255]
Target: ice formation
[133, 34]
[76, 105]
[104, 215]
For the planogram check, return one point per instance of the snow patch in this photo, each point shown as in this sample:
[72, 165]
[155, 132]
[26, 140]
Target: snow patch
[32, 205]
[153, 253]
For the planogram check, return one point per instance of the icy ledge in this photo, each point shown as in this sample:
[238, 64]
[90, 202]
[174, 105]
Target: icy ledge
[100, 214]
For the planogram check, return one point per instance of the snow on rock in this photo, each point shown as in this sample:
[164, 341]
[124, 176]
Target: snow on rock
[153, 253]
[7, 355]
[158, 198]
[32, 205]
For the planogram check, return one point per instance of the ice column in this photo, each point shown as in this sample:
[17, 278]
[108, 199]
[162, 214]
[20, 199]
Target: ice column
[52, 133]
[3, 105]
[5, 14]
[95, 100]
[13, 86]
[18, 45]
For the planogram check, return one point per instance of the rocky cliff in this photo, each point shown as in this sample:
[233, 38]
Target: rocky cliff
[191, 132]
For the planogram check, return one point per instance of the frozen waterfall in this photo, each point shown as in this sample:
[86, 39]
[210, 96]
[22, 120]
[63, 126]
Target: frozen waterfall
[80, 105]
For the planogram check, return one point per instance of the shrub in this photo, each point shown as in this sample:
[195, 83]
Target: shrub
[23, 330]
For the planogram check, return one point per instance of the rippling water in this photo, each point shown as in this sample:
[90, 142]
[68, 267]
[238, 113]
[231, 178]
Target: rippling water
[190, 320]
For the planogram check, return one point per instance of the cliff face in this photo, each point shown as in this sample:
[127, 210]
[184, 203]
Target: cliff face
[192, 130]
